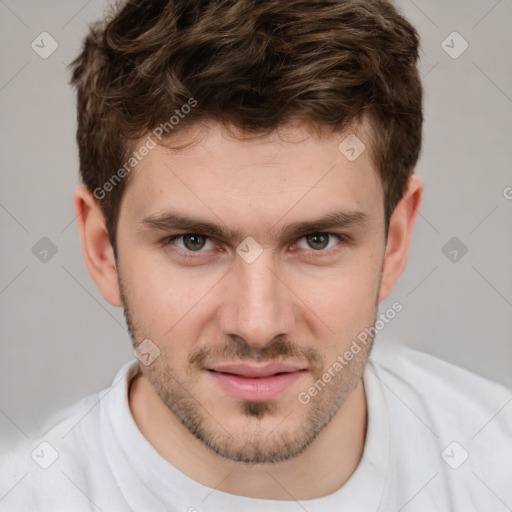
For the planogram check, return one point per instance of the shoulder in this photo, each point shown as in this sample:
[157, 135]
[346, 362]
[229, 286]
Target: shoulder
[439, 384]
[438, 380]
[468, 415]
[64, 465]
[38, 470]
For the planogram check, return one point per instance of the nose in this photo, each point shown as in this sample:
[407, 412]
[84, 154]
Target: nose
[258, 305]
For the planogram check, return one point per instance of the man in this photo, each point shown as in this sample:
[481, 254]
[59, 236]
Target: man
[248, 198]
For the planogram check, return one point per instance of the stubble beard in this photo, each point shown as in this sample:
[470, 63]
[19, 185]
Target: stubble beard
[269, 439]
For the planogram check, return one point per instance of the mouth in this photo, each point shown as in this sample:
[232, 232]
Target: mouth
[256, 383]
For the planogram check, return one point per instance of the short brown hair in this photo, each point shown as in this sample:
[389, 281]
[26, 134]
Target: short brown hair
[249, 64]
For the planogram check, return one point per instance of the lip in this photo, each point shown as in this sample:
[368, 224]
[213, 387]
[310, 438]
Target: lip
[256, 383]
[258, 371]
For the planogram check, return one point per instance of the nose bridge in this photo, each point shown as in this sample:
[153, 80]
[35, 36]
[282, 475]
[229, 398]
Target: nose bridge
[260, 308]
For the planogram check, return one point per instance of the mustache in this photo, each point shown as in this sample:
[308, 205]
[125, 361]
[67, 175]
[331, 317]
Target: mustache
[280, 348]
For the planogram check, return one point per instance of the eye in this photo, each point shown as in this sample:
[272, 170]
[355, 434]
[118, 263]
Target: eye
[191, 245]
[190, 242]
[319, 242]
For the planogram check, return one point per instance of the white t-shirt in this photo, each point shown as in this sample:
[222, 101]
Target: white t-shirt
[439, 438]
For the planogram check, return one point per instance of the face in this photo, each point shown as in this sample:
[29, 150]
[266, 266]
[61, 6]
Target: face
[251, 265]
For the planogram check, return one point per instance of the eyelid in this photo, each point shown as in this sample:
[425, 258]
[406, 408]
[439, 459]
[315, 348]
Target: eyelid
[170, 239]
[343, 239]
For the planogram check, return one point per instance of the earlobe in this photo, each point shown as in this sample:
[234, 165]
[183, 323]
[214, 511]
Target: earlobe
[96, 247]
[401, 227]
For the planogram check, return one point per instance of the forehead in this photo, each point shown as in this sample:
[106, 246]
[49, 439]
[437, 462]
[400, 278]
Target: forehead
[284, 173]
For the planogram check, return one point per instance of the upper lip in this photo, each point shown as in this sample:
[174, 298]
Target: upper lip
[266, 370]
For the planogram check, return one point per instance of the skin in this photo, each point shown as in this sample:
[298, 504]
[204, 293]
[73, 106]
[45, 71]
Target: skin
[297, 302]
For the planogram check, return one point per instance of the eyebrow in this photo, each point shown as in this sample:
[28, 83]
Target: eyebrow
[171, 221]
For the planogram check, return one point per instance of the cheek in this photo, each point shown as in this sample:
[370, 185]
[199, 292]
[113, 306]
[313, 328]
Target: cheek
[169, 302]
[343, 299]
[346, 305]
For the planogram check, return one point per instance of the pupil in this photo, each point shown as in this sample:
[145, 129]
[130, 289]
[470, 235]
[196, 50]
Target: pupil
[194, 244]
[322, 243]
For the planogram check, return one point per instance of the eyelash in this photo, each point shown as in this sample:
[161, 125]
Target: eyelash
[191, 255]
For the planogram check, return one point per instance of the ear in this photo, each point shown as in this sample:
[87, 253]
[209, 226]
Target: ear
[400, 232]
[96, 247]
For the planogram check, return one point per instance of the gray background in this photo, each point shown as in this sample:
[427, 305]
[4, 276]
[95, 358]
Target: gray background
[60, 340]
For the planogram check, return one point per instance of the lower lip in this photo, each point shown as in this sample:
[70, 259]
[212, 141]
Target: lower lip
[256, 389]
